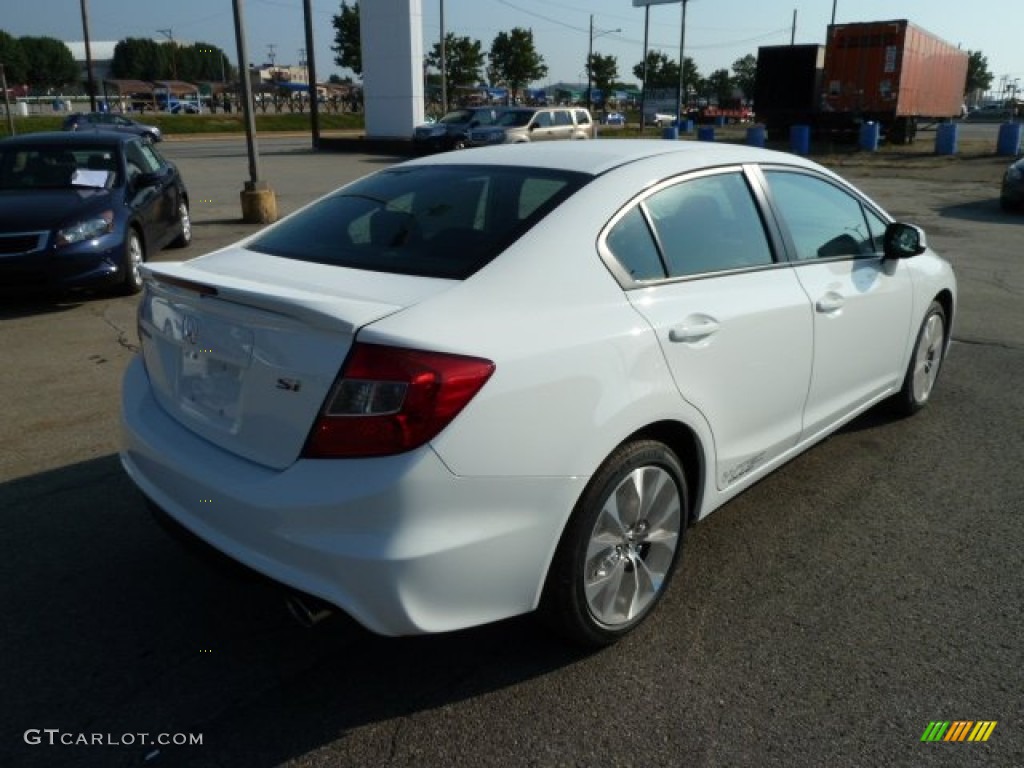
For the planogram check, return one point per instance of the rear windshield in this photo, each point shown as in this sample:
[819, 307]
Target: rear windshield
[435, 221]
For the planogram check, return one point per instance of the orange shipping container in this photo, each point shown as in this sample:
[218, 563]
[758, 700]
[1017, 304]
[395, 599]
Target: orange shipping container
[892, 69]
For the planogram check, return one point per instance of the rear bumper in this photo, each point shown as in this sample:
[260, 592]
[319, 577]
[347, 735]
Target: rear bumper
[399, 543]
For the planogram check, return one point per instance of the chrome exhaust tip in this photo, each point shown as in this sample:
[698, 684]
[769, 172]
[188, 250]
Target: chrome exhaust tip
[308, 611]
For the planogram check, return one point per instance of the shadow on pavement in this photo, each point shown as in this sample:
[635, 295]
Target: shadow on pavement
[112, 627]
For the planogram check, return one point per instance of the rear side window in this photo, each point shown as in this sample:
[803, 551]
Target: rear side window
[709, 224]
[436, 221]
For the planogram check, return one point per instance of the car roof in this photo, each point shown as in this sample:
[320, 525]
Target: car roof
[601, 155]
[59, 138]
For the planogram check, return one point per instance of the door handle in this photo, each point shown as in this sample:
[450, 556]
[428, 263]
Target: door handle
[830, 302]
[695, 330]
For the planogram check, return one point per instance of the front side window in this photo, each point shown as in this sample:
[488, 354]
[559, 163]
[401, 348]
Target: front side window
[823, 221]
[437, 221]
[542, 120]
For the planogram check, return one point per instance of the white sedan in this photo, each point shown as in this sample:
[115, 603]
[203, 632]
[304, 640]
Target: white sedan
[459, 390]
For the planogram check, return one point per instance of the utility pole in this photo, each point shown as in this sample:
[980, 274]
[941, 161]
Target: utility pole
[590, 56]
[169, 34]
[88, 56]
[682, 66]
[444, 67]
[792, 33]
[7, 102]
[643, 82]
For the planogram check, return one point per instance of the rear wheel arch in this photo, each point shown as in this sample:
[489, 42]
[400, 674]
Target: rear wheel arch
[686, 445]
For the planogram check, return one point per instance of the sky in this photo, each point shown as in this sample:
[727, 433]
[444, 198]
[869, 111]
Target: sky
[717, 31]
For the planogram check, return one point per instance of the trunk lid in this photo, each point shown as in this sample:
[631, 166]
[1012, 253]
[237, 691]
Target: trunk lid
[242, 348]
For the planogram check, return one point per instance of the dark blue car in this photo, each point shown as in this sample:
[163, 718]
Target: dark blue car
[84, 210]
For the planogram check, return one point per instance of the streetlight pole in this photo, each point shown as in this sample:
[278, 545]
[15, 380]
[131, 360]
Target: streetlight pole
[259, 204]
[88, 56]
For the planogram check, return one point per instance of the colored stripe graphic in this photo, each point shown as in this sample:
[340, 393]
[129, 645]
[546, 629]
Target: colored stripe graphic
[959, 730]
[935, 730]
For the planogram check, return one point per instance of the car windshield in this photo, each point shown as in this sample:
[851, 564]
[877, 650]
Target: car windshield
[457, 117]
[433, 221]
[58, 167]
[514, 119]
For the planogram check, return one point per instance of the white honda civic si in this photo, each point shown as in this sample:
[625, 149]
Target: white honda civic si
[466, 388]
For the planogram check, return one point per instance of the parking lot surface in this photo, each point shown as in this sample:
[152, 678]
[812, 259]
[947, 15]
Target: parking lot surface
[825, 617]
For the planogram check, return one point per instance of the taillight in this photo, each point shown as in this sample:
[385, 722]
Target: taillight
[388, 400]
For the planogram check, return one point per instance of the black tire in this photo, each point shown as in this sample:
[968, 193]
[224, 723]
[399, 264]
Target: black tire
[134, 257]
[620, 548]
[184, 218]
[925, 363]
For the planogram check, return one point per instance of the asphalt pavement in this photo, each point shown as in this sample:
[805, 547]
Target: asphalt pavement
[825, 617]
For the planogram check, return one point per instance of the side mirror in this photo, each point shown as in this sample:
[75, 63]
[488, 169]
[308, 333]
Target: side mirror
[901, 241]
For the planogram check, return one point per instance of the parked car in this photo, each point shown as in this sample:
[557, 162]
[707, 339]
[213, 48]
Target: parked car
[460, 390]
[108, 121]
[450, 132]
[1011, 194]
[660, 119]
[184, 108]
[523, 124]
[615, 118]
[84, 209]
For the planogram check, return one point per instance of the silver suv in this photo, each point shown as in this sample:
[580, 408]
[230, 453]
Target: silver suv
[522, 124]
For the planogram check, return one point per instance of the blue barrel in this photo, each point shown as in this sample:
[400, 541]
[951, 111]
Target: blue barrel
[946, 138]
[671, 133]
[1009, 139]
[706, 133]
[686, 126]
[800, 139]
[869, 135]
[756, 136]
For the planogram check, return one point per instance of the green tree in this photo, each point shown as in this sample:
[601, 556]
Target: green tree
[603, 72]
[347, 43]
[50, 63]
[744, 71]
[720, 85]
[201, 61]
[662, 72]
[979, 79]
[515, 61]
[139, 58]
[463, 58]
[13, 58]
